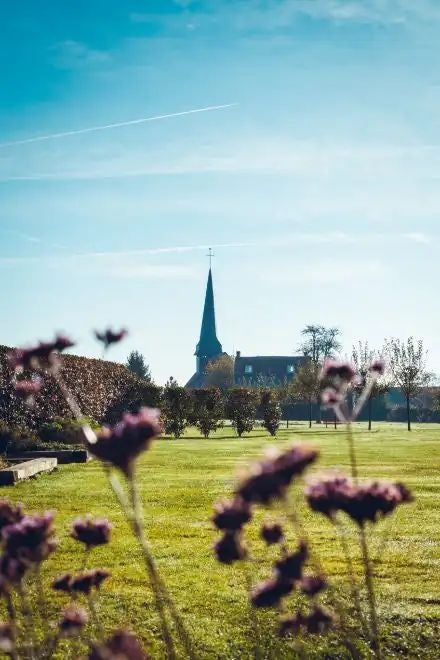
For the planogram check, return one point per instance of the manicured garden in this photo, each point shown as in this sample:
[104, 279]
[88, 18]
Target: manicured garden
[181, 479]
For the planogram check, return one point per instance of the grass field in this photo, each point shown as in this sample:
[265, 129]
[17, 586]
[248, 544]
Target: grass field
[180, 480]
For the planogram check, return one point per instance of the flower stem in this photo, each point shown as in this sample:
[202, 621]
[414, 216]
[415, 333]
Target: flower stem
[351, 575]
[133, 515]
[352, 453]
[375, 639]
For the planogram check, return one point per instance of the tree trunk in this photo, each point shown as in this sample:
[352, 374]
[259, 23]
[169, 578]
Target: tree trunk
[370, 401]
[310, 413]
[408, 412]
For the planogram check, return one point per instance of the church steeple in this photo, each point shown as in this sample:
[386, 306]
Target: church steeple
[209, 346]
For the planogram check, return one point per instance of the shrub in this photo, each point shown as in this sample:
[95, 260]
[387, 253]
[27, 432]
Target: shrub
[103, 390]
[64, 431]
[17, 438]
[271, 410]
[176, 408]
[241, 406]
[206, 409]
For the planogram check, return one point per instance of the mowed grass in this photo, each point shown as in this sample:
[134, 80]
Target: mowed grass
[181, 479]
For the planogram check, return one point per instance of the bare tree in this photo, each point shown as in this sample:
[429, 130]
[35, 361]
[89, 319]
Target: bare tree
[363, 357]
[407, 362]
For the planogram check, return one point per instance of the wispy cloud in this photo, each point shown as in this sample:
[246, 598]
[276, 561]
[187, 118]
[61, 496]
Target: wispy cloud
[71, 54]
[131, 122]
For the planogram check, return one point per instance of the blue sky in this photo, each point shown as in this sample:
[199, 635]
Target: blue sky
[319, 187]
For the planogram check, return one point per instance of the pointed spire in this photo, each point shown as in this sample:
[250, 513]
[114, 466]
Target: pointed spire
[208, 346]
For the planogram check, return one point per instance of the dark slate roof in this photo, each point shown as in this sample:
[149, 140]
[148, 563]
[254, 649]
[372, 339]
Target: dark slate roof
[209, 345]
[266, 366]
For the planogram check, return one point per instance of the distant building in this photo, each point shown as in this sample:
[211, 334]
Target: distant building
[265, 370]
[257, 370]
[208, 348]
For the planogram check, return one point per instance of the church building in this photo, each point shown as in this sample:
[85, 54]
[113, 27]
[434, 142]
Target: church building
[257, 370]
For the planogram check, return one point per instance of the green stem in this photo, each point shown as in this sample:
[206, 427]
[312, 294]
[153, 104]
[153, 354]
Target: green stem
[95, 618]
[375, 639]
[255, 630]
[132, 514]
[352, 453]
[351, 575]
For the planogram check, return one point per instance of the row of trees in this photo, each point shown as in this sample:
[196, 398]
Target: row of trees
[406, 370]
[206, 408]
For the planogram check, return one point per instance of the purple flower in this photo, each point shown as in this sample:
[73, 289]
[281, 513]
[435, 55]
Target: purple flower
[31, 540]
[269, 594]
[73, 620]
[229, 548]
[311, 585]
[337, 371]
[377, 367]
[122, 645]
[86, 581]
[91, 532]
[231, 514]
[291, 624]
[271, 533]
[270, 478]
[122, 444]
[361, 502]
[10, 513]
[108, 337]
[42, 354]
[319, 620]
[290, 567]
[63, 583]
[331, 398]
[12, 570]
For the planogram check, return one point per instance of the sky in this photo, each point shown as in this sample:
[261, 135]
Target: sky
[317, 186]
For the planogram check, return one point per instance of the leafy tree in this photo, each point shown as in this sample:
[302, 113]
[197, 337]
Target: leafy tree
[220, 372]
[407, 362]
[176, 408]
[271, 411]
[206, 409]
[319, 344]
[137, 365]
[363, 356]
[241, 406]
[305, 385]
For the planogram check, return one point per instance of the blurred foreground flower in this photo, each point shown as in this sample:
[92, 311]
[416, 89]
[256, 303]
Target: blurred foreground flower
[108, 337]
[91, 532]
[122, 645]
[121, 444]
[31, 540]
[74, 618]
[41, 355]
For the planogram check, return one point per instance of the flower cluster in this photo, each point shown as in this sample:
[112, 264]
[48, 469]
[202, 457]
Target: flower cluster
[74, 618]
[122, 645]
[317, 621]
[121, 444]
[27, 389]
[288, 571]
[83, 582]
[272, 533]
[91, 531]
[270, 478]
[108, 337]
[230, 516]
[30, 540]
[42, 354]
[361, 502]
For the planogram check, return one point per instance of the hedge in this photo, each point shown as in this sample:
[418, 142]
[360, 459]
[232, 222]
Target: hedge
[103, 390]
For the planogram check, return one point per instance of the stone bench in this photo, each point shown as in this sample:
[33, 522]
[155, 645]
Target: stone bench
[21, 471]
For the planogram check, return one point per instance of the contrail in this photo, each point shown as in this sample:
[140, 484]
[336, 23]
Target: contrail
[132, 122]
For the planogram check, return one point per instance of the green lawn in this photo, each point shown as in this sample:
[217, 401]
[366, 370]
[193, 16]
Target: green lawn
[180, 480]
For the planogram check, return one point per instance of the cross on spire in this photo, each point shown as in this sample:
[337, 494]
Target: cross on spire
[210, 255]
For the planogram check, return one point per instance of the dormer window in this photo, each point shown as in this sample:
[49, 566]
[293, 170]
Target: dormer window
[290, 369]
[248, 369]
